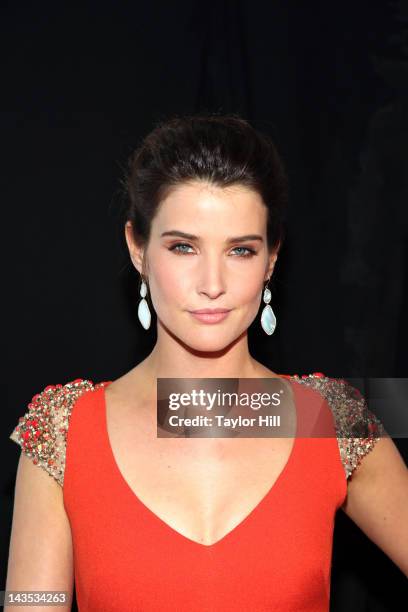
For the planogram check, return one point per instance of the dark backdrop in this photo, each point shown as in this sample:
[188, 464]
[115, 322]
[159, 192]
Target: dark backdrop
[328, 81]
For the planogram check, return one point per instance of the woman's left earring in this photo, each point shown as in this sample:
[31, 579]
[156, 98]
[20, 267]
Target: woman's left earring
[143, 311]
[268, 319]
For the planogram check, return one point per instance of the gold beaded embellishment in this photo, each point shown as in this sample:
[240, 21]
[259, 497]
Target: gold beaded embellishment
[42, 431]
[357, 428]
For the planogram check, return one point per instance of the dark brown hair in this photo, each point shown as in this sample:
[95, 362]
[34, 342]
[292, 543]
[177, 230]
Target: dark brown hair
[221, 149]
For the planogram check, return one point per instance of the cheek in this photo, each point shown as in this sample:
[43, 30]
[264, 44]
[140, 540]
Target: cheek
[169, 283]
[250, 290]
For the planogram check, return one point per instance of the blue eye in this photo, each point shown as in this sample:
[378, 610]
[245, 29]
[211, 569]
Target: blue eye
[179, 244]
[249, 252]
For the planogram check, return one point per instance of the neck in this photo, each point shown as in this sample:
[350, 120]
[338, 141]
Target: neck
[170, 358]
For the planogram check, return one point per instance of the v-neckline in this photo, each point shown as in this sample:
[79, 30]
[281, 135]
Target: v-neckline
[229, 536]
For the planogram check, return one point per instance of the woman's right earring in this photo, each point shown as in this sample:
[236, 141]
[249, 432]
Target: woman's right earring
[143, 311]
[268, 319]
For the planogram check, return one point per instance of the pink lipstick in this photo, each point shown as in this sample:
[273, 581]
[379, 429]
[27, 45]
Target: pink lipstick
[210, 315]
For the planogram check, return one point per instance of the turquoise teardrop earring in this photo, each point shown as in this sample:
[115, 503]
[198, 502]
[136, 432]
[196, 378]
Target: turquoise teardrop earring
[268, 319]
[143, 311]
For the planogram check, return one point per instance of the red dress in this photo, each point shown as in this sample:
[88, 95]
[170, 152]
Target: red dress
[127, 558]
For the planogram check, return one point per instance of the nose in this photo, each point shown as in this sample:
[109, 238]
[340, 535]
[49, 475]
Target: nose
[211, 275]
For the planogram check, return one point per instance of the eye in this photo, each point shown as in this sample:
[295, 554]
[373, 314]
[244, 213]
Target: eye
[179, 244]
[248, 252]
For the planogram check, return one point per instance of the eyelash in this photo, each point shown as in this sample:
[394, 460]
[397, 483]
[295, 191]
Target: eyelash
[250, 252]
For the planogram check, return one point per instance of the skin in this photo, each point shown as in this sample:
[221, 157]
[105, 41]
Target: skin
[207, 273]
[41, 552]
[211, 274]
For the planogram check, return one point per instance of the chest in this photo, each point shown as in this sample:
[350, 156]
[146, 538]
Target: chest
[202, 487]
[197, 524]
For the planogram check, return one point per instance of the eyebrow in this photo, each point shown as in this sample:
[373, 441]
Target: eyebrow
[229, 240]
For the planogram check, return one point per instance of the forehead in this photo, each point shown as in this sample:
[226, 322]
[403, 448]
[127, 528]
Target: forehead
[199, 202]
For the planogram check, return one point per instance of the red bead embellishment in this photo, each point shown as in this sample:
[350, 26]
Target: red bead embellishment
[42, 430]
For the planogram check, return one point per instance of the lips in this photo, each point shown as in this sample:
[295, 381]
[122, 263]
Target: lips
[210, 316]
[210, 311]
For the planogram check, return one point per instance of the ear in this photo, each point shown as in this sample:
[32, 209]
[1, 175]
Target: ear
[271, 264]
[135, 251]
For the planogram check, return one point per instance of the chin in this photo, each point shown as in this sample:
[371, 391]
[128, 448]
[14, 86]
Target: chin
[208, 341]
[204, 338]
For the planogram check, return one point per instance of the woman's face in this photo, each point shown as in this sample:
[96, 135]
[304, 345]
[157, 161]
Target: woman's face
[211, 267]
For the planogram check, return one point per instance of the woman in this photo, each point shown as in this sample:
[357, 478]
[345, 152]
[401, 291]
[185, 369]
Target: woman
[157, 522]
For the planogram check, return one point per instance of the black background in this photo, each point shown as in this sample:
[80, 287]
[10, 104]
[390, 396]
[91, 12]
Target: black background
[327, 80]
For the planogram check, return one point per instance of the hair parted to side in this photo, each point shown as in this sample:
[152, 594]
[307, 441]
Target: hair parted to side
[223, 150]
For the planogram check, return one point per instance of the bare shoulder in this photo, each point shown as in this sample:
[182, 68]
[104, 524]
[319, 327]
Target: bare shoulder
[134, 379]
[262, 371]
[131, 394]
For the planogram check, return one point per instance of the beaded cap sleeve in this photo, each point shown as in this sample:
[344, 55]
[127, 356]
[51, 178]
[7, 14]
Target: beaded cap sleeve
[357, 428]
[42, 430]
